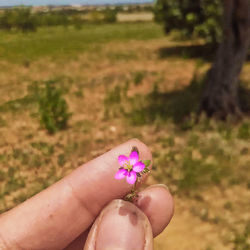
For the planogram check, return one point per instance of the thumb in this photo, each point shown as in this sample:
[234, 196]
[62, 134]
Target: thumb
[120, 226]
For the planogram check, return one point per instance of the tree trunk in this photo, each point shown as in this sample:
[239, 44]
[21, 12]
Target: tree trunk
[220, 97]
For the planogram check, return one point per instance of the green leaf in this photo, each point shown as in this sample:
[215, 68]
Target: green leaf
[146, 163]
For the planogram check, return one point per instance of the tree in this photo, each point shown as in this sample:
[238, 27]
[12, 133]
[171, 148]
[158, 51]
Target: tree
[202, 18]
[199, 18]
[25, 21]
[20, 18]
[220, 96]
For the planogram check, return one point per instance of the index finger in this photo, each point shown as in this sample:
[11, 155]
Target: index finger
[57, 215]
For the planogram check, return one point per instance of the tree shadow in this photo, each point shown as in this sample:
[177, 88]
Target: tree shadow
[162, 106]
[199, 51]
[204, 52]
[178, 105]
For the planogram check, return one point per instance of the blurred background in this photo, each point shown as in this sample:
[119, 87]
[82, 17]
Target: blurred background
[78, 79]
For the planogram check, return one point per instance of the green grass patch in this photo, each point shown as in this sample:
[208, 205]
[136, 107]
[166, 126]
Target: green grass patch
[13, 180]
[138, 77]
[66, 42]
[19, 104]
[244, 131]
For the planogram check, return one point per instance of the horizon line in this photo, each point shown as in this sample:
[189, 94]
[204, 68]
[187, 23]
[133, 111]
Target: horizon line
[105, 3]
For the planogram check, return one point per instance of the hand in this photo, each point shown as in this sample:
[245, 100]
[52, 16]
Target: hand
[61, 216]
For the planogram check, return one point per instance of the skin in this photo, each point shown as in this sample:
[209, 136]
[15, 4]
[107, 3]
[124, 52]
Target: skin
[84, 210]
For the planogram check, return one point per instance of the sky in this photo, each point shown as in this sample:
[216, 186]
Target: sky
[66, 2]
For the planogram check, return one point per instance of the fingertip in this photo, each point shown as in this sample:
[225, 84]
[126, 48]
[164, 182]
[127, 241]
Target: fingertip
[158, 204]
[121, 225]
[143, 148]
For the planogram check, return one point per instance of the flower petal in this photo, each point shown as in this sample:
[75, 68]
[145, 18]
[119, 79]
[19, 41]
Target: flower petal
[133, 158]
[121, 173]
[138, 167]
[131, 177]
[122, 159]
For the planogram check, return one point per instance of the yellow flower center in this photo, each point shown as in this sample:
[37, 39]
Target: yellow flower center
[127, 166]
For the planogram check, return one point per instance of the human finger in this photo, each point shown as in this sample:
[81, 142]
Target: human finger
[155, 202]
[56, 216]
[158, 205]
[120, 226]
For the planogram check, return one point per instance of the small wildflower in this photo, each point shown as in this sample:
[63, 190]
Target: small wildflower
[130, 166]
[132, 169]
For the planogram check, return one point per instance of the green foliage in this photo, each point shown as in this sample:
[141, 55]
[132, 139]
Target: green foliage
[53, 109]
[242, 240]
[23, 19]
[113, 97]
[61, 160]
[106, 16]
[95, 17]
[197, 173]
[197, 164]
[53, 19]
[110, 16]
[192, 18]
[138, 77]
[45, 148]
[244, 131]
[18, 105]
[147, 163]
[210, 28]
[112, 102]
[20, 19]
[77, 22]
[14, 181]
[6, 20]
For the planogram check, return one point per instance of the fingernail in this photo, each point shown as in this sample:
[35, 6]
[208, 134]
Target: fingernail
[159, 185]
[121, 226]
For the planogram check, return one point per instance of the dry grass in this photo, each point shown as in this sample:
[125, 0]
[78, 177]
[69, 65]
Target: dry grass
[135, 17]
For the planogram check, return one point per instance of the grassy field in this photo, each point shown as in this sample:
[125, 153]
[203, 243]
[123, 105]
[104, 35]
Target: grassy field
[61, 42]
[122, 81]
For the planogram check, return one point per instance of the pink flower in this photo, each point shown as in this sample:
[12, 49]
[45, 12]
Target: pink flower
[130, 166]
